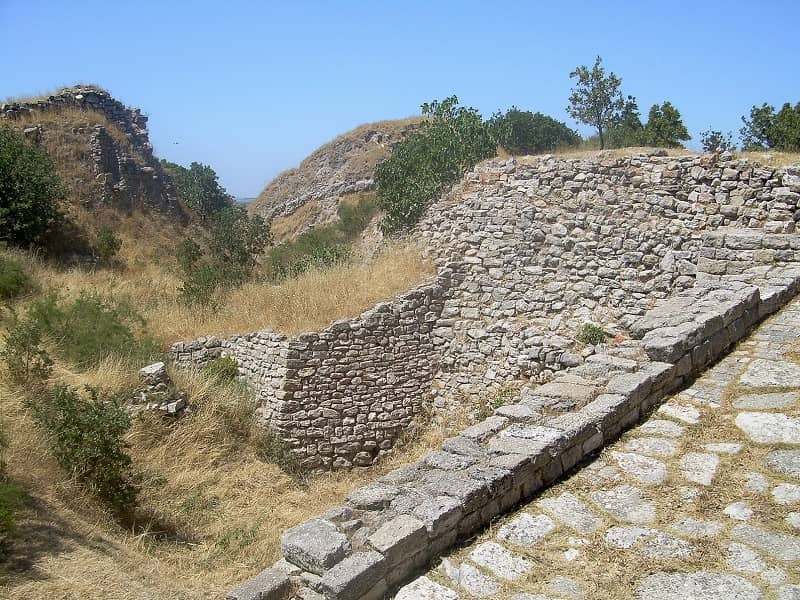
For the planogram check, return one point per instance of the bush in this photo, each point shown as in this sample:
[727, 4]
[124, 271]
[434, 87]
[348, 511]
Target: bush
[30, 192]
[354, 217]
[767, 129]
[106, 244]
[14, 281]
[452, 140]
[319, 247]
[199, 187]
[224, 370]
[89, 329]
[524, 132]
[86, 438]
[716, 141]
[591, 334]
[12, 498]
[199, 285]
[26, 360]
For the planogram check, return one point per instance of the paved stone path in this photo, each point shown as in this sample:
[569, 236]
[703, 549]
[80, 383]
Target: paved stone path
[702, 501]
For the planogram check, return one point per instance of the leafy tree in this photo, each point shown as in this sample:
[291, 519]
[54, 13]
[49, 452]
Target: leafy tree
[237, 240]
[768, 129]
[524, 132]
[715, 141]
[664, 127]
[627, 129]
[453, 139]
[596, 99]
[199, 187]
[30, 192]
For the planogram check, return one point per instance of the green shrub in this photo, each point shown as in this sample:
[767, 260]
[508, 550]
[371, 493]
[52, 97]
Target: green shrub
[769, 129]
[14, 281]
[524, 132]
[26, 360]
[452, 140]
[30, 192]
[106, 244]
[319, 247]
[224, 370]
[89, 329]
[12, 498]
[199, 285]
[591, 334]
[199, 187]
[86, 438]
[354, 217]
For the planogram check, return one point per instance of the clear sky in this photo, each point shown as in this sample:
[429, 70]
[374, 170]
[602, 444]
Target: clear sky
[251, 88]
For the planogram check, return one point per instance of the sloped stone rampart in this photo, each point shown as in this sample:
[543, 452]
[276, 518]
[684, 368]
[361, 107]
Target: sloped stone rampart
[391, 528]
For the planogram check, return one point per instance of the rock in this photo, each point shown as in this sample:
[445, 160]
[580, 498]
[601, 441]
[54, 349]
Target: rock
[470, 579]
[526, 530]
[641, 468]
[625, 503]
[785, 462]
[778, 545]
[652, 446]
[661, 427]
[793, 520]
[400, 538]
[771, 373]
[315, 545]
[699, 468]
[567, 587]
[769, 428]
[723, 448]
[767, 401]
[695, 528]
[756, 482]
[740, 511]
[355, 576]
[423, 588]
[499, 561]
[568, 509]
[687, 414]
[372, 497]
[743, 559]
[270, 584]
[789, 592]
[786, 493]
[154, 373]
[648, 542]
[701, 585]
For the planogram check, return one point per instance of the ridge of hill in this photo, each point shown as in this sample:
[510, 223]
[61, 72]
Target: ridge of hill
[341, 167]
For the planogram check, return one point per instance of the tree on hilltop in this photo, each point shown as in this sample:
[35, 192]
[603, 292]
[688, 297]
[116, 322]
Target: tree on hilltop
[596, 99]
[767, 129]
[524, 132]
[665, 127]
[199, 187]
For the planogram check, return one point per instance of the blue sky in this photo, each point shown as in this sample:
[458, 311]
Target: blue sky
[251, 88]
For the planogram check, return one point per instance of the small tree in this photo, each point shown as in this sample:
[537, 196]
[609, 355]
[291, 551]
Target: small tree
[236, 241]
[524, 132]
[199, 187]
[106, 244]
[596, 99]
[715, 141]
[627, 129]
[767, 129]
[664, 127]
[30, 192]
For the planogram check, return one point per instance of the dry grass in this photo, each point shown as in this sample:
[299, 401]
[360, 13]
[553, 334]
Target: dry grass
[288, 227]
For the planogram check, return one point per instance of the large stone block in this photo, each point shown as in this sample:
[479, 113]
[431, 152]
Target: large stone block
[315, 545]
[354, 577]
[399, 538]
[270, 584]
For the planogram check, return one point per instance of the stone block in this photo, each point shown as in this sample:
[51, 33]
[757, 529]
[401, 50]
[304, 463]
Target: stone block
[400, 538]
[315, 545]
[355, 576]
[270, 584]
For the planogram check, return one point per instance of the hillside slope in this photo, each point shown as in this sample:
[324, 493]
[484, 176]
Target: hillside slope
[101, 150]
[343, 166]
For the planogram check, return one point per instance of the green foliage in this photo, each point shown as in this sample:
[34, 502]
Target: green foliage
[591, 334]
[235, 240]
[664, 127]
[12, 499]
[524, 132]
[106, 244]
[716, 141]
[224, 370]
[767, 129]
[30, 192]
[89, 329]
[26, 361]
[627, 129]
[354, 217]
[452, 140]
[199, 187]
[596, 99]
[14, 281]
[86, 437]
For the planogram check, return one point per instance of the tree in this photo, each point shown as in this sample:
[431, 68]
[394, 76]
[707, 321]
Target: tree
[199, 187]
[596, 99]
[664, 127]
[453, 139]
[715, 141]
[236, 241]
[769, 130]
[627, 129]
[524, 132]
[30, 192]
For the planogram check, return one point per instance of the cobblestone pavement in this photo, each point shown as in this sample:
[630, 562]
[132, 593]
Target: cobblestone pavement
[701, 501]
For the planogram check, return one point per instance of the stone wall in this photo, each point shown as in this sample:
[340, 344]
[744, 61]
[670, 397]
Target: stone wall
[390, 529]
[343, 396]
[128, 174]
